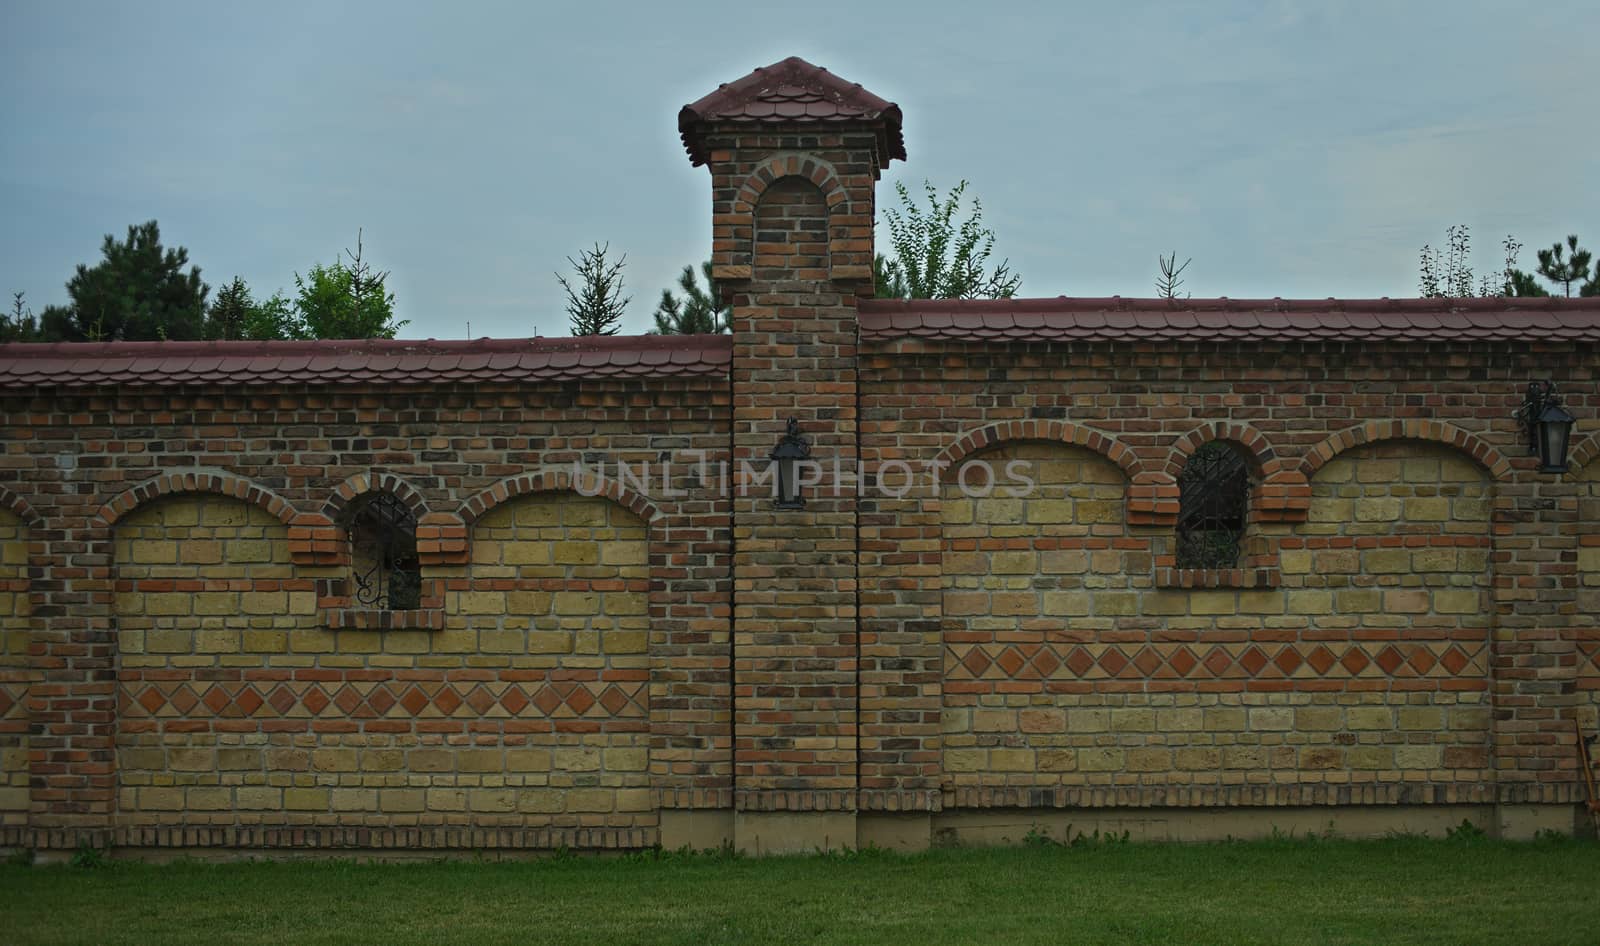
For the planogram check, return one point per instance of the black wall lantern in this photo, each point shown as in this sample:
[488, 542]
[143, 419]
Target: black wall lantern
[791, 451]
[1548, 426]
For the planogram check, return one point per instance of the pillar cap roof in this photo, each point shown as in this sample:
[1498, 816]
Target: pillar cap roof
[791, 92]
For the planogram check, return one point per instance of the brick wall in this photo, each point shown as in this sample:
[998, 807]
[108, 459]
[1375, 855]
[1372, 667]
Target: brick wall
[1411, 633]
[14, 612]
[238, 705]
[183, 660]
[1068, 666]
[197, 661]
[1581, 635]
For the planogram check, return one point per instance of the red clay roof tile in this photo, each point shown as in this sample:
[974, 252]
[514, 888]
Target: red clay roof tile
[791, 92]
[1160, 320]
[359, 361]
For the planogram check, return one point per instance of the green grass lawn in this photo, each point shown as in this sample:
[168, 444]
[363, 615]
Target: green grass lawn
[1398, 891]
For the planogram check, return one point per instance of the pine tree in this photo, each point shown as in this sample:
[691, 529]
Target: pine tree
[1565, 271]
[229, 312]
[699, 312]
[236, 315]
[345, 300]
[596, 303]
[1171, 275]
[139, 291]
[19, 325]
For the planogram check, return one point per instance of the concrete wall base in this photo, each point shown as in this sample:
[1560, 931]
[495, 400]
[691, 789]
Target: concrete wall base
[760, 833]
[696, 828]
[905, 832]
[1526, 822]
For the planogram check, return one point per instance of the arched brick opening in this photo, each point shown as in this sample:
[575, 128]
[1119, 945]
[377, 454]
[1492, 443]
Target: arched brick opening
[556, 480]
[363, 483]
[1253, 446]
[220, 482]
[1474, 446]
[1064, 431]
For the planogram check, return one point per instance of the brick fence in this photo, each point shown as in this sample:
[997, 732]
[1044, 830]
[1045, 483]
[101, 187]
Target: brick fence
[619, 640]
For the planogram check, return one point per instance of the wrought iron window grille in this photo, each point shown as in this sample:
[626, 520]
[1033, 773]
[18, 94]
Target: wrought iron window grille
[383, 555]
[1213, 504]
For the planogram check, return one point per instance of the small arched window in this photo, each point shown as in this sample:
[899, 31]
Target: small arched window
[385, 572]
[1213, 503]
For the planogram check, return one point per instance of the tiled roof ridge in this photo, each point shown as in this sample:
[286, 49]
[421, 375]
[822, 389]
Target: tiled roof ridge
[1129, 303]
[764, 96]
[1119, 319]
[358, 361]
[385, 345]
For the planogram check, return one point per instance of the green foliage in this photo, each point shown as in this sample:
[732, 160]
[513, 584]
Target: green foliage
[1280, 836]
[88, 857]
[345, 300]
[698, 312]
[1448, 273]
[659, 854]
[596, 303]
[229, 311]
[21, 857]
[19, 325]
[1109, 839]
[1252, 892]
[937, 258]
[887, 280]
[1040, 837]
[1466, 832]
[1517, 283]
[870, 852]
[138, 291]
[1564, 270]
[236, 315]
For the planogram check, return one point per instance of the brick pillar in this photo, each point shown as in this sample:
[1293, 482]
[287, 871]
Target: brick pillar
[792, 248]
[72, 699]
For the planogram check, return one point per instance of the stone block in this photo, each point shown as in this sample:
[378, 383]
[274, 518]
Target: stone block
[1369, 717]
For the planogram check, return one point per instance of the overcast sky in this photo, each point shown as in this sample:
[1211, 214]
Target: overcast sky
[1290, 148]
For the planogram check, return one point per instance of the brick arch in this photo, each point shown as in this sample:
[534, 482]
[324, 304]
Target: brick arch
[219, 482]
[1586, 452]
[18, 507]
[363, 483]
[556, 481]
[1281, 492]
[1373, 431]
[1056, 430]
[791, 164]
[1256, 448]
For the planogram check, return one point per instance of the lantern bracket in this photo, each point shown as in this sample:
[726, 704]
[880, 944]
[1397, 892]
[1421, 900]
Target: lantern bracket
[1546, 425]
[791, 451]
